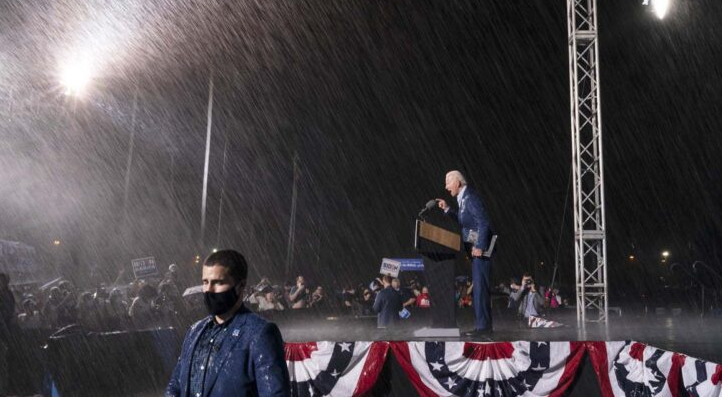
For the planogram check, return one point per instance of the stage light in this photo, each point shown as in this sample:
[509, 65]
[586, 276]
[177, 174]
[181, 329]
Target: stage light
[665, 254]
[631, 257]
[215, 250]
[75, 76]
[659, 7]
[56, 242]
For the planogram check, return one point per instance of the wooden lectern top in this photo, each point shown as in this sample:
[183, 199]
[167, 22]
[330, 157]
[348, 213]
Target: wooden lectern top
[439, 235]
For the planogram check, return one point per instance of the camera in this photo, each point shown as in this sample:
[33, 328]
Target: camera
[529, 281]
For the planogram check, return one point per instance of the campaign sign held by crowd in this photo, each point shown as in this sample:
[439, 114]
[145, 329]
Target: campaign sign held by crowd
[144, 267]
[390, 267]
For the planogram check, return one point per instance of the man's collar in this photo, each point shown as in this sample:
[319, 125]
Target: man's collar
[461, 193]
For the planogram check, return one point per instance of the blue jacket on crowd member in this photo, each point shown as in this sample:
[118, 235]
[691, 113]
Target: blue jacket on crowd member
[388, 304]
[252, 360]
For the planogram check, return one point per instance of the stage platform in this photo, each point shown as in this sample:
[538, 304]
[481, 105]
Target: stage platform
[687, 334]
[155, 351]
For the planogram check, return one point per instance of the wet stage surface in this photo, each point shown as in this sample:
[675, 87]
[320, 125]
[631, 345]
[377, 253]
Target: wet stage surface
[691, 335]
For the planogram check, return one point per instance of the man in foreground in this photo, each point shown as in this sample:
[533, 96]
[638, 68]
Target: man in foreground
[232, 352]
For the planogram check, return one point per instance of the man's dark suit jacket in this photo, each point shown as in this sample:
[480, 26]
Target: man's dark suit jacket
[472, 216]
[388, 305]
[252, 361]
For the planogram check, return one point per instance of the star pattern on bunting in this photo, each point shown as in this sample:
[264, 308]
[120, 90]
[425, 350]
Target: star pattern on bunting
[437, 366]
[345, 347]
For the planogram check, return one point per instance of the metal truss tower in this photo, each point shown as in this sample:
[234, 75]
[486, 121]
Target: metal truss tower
[590, 243]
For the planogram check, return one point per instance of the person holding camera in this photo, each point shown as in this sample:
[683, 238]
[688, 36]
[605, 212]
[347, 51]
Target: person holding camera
[528, 298]
[299, 294]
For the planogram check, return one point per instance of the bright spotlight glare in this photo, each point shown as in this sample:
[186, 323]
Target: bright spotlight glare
[660, 7]
[75, 76]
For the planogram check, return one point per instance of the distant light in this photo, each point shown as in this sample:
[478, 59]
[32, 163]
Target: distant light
[631, 257]
[665, 254]
[75, 76]
[659, 7]
[56, 242]
[215, 250]
[197, 259]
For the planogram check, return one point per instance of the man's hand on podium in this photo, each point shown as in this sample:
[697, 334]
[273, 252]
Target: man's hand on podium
[442, 204]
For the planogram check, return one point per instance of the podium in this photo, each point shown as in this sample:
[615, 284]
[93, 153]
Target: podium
[439, 248]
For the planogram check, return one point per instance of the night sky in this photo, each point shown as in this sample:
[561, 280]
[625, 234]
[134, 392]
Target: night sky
[379, 99]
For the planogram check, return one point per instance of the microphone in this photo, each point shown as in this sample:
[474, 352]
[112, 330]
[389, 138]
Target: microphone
[429, 205]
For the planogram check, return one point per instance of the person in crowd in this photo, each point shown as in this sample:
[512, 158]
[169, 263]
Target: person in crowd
[407, 297]
[366, 303]
[142, 310]
[171, 276]
[232, 352]
[423, 300]
[415, 287]
[553, 299]
[298, 296]
[7, 317]
[528, 297]
[7, 304]
[387, 305]
[287, 287]
[476, 234]
[265, 282]
[269, 301]
[463, 294]
[376, 285]
[87, 315]
[318, 298]
[52, 307]
[170, 304]
[349, 299]
[118, 318]
[66, 308]
[30, 318]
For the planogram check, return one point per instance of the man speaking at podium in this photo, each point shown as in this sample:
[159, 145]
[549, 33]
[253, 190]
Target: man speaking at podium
[476, 234]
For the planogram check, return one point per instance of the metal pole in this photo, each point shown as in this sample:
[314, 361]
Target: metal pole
[129, 162]
[223, 190]
[292, 223]
[207, 159]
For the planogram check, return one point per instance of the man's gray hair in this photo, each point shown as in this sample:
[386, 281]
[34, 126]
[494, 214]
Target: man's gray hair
[458, 176]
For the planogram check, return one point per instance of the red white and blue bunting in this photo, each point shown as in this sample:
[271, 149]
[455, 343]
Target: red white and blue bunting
[334, 368]
[635, 369]
[702, 378]
[496, 369]
[490, 369]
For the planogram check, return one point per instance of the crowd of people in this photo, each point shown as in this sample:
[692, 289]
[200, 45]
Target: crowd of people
[150, 303]
[138, 305]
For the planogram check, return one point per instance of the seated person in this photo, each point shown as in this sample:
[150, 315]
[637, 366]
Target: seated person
[528, 297]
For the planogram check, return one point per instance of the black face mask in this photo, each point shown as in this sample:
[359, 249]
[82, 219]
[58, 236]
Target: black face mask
[220, 302]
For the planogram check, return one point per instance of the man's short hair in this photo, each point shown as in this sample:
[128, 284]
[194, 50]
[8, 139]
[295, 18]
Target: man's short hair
[232, 260]
[457, 175]
[387, 279]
